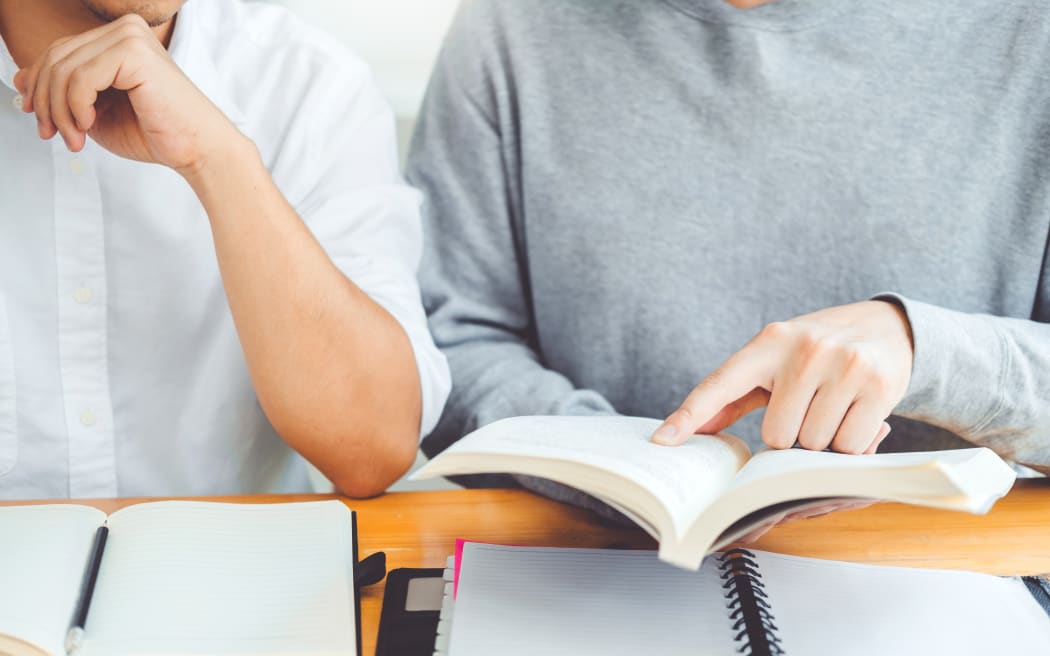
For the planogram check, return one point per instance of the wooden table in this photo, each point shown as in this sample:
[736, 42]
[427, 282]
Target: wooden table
[419, 529]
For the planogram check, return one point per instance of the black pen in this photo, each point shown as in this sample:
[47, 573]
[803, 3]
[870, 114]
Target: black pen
[75, 636]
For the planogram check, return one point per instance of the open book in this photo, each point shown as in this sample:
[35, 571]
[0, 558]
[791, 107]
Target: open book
[703, 495]
[181, 578]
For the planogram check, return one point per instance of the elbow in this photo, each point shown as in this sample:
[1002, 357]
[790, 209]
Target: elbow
[362, 450]
[372, 465]
[373, 480]
[358, 489]
[360, 464]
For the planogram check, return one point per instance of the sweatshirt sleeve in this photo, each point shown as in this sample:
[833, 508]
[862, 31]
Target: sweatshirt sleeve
[475, 270]
[983, 377]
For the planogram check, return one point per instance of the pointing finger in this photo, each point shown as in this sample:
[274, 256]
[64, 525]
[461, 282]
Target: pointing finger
[748, 369]
[758, 398]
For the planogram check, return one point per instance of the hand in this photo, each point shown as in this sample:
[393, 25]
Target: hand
[829, 379]
[118, 84]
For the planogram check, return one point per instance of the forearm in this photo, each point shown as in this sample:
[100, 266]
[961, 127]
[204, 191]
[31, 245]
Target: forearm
[334, 372]
[984, 378]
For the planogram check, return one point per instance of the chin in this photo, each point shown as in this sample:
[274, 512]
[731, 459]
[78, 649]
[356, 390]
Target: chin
[155, 12]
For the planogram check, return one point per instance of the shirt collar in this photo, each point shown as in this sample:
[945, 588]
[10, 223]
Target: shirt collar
[189, 49]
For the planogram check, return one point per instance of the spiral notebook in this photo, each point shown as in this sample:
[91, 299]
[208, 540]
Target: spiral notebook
[525, 601]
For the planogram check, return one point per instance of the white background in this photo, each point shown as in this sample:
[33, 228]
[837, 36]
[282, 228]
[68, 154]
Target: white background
[398, 38]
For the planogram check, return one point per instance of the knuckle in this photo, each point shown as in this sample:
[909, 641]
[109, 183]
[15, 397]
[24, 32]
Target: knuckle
[135, 44]
[846, 443]
[77, 79]
[52, 56]
[775, 436]
[811, 348]
[859, 363]
[61, 69]
[713, 380]
[775, 331]
[129, 31]
[880, 383]
[814, 354]
[812, 440]
[132, 19]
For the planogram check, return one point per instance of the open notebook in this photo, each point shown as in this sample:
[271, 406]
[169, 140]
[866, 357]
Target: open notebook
[566, 602]
[182, 578]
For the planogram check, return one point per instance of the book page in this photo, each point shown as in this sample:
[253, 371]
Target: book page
[773, 462]
[868, 610]
[684, 478]
[43, 551]
[969, 479]
[523, 601]
[780, 481]
[203, 578]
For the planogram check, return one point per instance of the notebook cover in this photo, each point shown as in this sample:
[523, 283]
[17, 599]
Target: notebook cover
[403, 632]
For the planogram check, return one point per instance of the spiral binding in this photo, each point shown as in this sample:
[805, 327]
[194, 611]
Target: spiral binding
[748, 604]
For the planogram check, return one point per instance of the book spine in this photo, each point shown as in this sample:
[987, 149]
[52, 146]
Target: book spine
[748, 605]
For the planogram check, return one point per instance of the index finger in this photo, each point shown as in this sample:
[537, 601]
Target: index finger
[747, 369]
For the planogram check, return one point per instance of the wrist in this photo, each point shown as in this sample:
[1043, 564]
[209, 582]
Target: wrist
[901, 312]
[231, 154]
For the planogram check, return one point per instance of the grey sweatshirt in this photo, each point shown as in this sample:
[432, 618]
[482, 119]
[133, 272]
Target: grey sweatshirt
[621, 193]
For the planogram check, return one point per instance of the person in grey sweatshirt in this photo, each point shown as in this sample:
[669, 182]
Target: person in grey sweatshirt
[833, 210]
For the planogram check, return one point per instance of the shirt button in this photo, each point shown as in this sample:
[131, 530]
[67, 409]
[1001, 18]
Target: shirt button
[88, 419]
[83, 295]
[76, 165]
[17, 102]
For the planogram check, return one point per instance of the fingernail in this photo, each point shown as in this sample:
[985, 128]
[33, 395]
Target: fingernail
[665, 434]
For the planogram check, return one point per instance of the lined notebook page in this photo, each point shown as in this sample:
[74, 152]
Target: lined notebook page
[43, 550]
[181, 577]
[865, 610]
[565, 602]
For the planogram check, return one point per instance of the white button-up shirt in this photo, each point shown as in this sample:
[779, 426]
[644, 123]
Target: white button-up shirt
[120, 370]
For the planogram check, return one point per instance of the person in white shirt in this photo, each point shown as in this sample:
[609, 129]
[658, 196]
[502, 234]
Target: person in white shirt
[207, 257]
